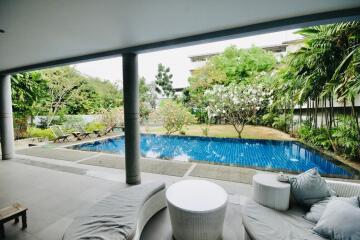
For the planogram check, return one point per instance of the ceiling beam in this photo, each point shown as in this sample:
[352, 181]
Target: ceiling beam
[266, 27]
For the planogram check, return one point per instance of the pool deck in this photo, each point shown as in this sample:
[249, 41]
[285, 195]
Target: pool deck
[55, 183]
[80, 159]
[55, 191]
[62, 157]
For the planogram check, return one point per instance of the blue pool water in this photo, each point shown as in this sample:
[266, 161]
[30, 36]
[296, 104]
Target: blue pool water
[288, 156]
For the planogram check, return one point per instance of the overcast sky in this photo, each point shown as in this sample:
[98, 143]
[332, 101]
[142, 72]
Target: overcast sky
[177, 59]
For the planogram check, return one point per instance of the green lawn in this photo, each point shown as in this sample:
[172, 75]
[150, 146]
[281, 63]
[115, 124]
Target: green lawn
[253, 132]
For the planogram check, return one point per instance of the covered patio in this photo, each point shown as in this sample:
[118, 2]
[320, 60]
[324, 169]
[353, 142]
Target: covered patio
[59, 33]
[42, 185]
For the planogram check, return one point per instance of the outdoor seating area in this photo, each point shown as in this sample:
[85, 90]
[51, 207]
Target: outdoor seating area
[94, 188]
[180, 120]
[101, 193]
[266, 218]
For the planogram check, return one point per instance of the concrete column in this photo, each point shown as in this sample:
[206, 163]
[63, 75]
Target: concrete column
[6, 118]
[131, 117]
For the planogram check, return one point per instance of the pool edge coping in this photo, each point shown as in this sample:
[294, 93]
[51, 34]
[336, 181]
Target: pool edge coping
[327, 156]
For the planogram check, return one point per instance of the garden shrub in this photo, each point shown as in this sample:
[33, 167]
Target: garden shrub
[40, 133]
[320, 137]
[113, 117]
[305, 131]
[268, 119]
[282, 122]
[174, 116]
[346, 136]
[95, 126]
[342, 139]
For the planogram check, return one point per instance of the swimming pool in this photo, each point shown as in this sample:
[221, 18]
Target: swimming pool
[287, 156]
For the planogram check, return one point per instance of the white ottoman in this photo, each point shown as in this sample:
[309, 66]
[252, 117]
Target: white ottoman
[270, 192]
[197, 210]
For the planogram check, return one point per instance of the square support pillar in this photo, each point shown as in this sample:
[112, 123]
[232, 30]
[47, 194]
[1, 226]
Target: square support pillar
[131, 118]
[6, 118]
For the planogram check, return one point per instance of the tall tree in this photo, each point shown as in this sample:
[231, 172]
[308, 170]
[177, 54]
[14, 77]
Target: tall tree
[163, 81]
[327, 67]
[234, 66]
[28, 92]
[144, 99]
[64, 83]
[237, 103]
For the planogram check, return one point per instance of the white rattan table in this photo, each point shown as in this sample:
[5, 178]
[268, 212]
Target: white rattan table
[270, 192]
[197, 209]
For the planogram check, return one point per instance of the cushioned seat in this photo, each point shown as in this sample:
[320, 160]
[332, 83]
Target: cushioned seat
[120, 216]
[262, 223]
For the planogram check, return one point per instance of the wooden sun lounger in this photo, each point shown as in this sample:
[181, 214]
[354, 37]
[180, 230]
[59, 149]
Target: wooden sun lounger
[59, 134]
[83, 132]
[77, 135]
[106, 131]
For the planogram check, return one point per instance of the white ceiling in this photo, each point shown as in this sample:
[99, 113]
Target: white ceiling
[39, 31]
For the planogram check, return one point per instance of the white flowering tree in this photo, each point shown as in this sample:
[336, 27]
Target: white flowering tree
[237, 103]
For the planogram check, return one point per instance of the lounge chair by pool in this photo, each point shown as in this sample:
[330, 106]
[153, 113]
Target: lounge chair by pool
[59, 134]
[106, 131]
[83, 132]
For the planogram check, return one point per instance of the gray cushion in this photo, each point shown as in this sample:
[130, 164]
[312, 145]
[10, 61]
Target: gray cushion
[309, 187]
[113, 218]
[340, 221]
[262, 223]
[317, 210]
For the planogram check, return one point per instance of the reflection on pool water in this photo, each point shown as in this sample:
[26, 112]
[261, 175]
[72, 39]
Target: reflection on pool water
[288, 156]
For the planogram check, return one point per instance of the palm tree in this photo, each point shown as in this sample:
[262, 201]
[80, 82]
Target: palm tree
[328, 65]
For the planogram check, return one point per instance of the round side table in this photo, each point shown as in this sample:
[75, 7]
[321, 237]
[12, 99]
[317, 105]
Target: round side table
[270, 192]
[197, 209]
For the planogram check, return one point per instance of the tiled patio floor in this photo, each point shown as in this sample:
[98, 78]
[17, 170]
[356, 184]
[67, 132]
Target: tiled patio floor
[53, 197]
[56, 190]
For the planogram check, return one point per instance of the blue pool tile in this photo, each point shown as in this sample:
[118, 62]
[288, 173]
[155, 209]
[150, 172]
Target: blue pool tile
[288, 156]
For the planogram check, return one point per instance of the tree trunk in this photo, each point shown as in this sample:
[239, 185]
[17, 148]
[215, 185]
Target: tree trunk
[333, 112]
[326, 113]
[322, 112]
[300, 121]
[330, 111]
[354, 113]
[239, 130]
[315, 112]
[307, 110]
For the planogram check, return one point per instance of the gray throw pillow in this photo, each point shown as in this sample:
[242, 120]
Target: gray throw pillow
[340, 221]
[309, 187]
[317, 209]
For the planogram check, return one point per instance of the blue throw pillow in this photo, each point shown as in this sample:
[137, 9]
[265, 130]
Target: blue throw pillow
[340, 221]
[309, 187]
